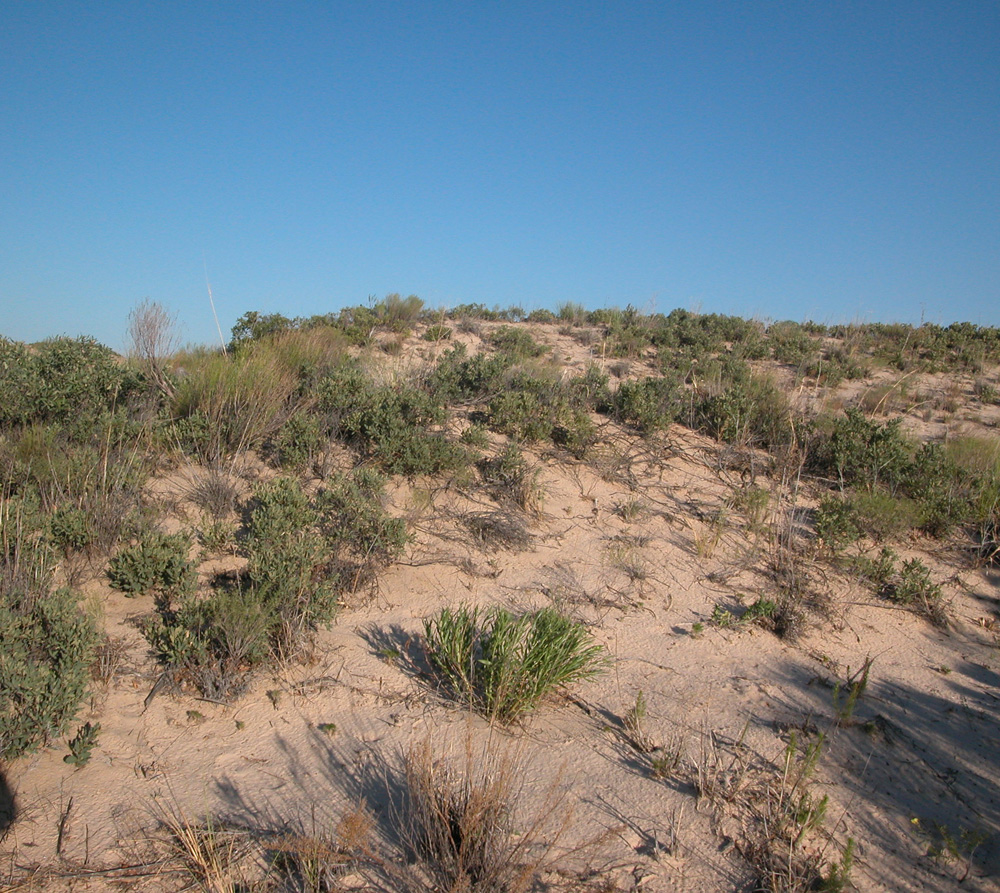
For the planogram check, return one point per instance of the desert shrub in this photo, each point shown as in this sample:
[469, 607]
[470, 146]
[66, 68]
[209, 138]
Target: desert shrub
[750, 411]
[910, 584]
[71, 380]
[535, 405]
[296, 550]
[881, 516]
[505, 666]
[790, 343]
[390, 424]
[159, 561]
[836, 523]
[576, 434]
[355, 521]
[299, 440]
[915, 584]
[216, 642]
[590, 390]
[458, 377]
[461, 826]
[986, 392]
[254, 326]
[541, 315]
[288, 560]
[214, 491]
[437, 333]
[515, 342]
[877, 573]
[837, 364]
[398, 314]
[648, 405]
[69, 529]
[475, 436]
[233, 403]
[862, 452]
[509, 478]
[498, 530]
[48, 642]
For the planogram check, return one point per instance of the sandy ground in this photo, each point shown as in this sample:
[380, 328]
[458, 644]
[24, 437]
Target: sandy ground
[310, 741]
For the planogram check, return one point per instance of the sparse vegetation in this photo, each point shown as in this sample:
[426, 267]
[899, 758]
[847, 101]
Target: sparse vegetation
[681, 483]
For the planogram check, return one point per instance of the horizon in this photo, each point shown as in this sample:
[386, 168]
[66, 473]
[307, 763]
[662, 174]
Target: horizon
[803, 163]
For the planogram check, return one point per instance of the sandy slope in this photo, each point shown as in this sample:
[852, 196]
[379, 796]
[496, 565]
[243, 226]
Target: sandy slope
[918, 752]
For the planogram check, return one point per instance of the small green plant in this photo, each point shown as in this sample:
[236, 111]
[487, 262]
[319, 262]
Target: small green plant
[916, 589]
[475, 436]
[437, 333]
[630, 510]
[328, 728]
[723, 618]
[634, 723]
[48, 645]
[159, 561]
[505, 665]
[857, 683]
[697, 628]
[81, 744]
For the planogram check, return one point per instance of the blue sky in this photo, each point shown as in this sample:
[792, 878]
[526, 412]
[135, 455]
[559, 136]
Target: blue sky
[828, 160]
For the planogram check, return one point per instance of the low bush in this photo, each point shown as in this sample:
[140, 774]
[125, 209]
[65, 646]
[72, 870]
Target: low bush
[159, 562]
[516, 343]
[648, 405]
[299, 441]
[510, 479]
[505, 665]
[48, 642]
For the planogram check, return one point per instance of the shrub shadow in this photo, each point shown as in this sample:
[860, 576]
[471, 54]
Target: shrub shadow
[919, 766]
[8, 806]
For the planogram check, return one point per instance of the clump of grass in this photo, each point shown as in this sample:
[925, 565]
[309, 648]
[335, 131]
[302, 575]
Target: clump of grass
[499, 530]
[510, 479]
[462, 826]
[503, 665]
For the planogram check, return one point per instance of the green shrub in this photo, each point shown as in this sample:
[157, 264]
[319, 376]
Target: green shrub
[577, 434]
[882, 516]
[507, 665]
[159, 561]
[234, 403]
[790, 343]
[48, 643]
[437, 333]
[289, 560]
[648, 405]
[299, 440]
[218, 641]
[516, 343]
[299, 551]
[521, 415]
[69, 529]
[862, 452]
[475, 436]
[81, 744]
[460, 378]
[836, 524]
[390, 424]
[71, 380]
[749, 411]
[366, 537]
